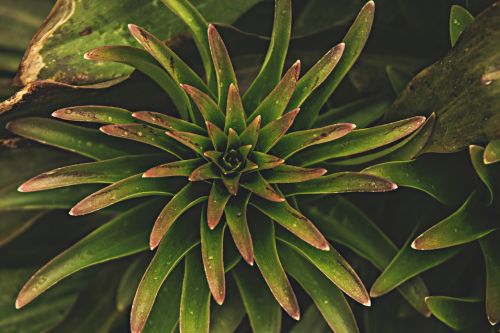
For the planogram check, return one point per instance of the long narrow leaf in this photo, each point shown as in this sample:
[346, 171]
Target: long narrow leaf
[181, 238]
[124, 235]
[236, 217]
[490, 246]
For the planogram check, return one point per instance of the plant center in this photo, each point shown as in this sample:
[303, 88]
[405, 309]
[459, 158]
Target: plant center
[232, 160]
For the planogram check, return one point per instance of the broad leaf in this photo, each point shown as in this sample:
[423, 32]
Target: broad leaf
[457, 313]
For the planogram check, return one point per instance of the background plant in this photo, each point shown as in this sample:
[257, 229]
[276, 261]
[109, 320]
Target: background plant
[407, 174]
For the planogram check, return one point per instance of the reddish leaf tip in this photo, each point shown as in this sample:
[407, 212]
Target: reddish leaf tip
[415, 244]
[153, 242]
[368, 302]
[19, 304]
[134, 29]
[492, 321]
[74, 211]
[295, 315]
[24, 187]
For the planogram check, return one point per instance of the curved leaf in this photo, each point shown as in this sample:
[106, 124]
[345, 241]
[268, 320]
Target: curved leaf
[292, 220]
[408, 263]
[489, 174]
[459, 19]
[354, 40]
[332, 265]
[128, 188]
[268, 261]
[181, 238]
[346, 224]
[296, 141]
[168, 122]
[122, 236]
[172, 169]
[195, 298]
[492, 152]
[445, 178]
[470, 222]
[291, 174]
[236, 217]
[106, 172]
[271, 133]
[490, 245]
[95, 114]
[358, 141]
[206, 105]
[213, 257]
[275, 104]
[263, 311]
[189, 196]
[272, 67]
[129, 281]
[235, 115]
[457, 313]
[341, 182]
[329, 300]
[80, 140]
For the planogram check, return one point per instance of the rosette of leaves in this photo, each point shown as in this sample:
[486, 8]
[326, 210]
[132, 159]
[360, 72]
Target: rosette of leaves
[244, 160]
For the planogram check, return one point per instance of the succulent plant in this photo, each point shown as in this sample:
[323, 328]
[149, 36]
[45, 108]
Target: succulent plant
[260, 159]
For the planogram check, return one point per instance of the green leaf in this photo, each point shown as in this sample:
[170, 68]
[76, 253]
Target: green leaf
[80, 140]
[293, 221]
[296, 141]
[195, 299]
[398, 78]
[223, 66]
[62, 198]
[268, 261]
[358, 141]
[354, 40]
[235, 115]
[232, 183]
[470, 222]
[272, 67]
[412, 146]
[274, 131]
[489, 174]
[227, 317]
[492, 152]
[341, 182]
[490, 245]
[105, 172]
[314, 77]
[273, 106]
[236, 217]
[217, 136]
[266, 161]
[328, 299]
[75, 27]
[292, 174]
[142, 61]
[129, 281]
[409, 263]
[258, 185]
[197, 143]
[475, 88]
[95, 114]
[450, 182]
[128, 188]
[263, 311]
[168, 122]
[459, 19]
[332, 265]
[164, 315]
[124, 235]
[204, 172]
[94, 309]
[172, 169]
[146, 134]
[311, 322]
[179, 240]
[364, 237]
[170, 61]
[15, 223]
[361, 112]
[206, 105]
[189, 196]
[213, 257]
[217, 200]
[457, 313]
[198, 26]
[40, 315]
